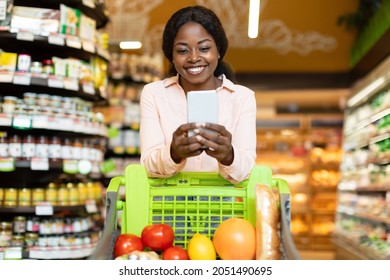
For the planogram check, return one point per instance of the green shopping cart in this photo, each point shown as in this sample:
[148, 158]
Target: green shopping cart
[191, 202]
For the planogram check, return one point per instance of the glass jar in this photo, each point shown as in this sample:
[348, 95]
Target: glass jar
[48, 67]
[1, 196]
[30, 98]
[54, 148]
[63, 195]
[5, 234]
[15, 146]
[31, 239]
[19, 224]
[66, 149]
[17, 240]
[32, 224]
[55, 101]
[9, 104]
[82, 190]
[36, 67]
[4, 146]
[10, 197]
[38, 195]
[77, 149]
[51, 194]
[28, 147]
[24, 197]
[73, 194]
[42, 147]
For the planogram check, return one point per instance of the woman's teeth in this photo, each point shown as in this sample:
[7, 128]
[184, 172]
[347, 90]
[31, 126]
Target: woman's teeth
[195, 70]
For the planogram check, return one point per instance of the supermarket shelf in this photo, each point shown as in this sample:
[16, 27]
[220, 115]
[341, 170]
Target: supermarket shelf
[349, 249]
[365, 216]
[61, 252]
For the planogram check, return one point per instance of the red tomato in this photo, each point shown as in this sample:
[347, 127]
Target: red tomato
[126, 243]
[175, 253]
[157, 237]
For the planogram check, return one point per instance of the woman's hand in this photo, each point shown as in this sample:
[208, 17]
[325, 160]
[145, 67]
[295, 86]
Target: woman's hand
[182, 145]
[217, 142]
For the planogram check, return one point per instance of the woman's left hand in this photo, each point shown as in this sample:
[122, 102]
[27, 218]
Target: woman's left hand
[218, 142]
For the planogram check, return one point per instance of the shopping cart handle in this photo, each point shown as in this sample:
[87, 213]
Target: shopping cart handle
[289, 246]
[104, 248]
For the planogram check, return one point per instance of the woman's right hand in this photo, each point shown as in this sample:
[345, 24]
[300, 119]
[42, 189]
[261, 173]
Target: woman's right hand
[182, 145]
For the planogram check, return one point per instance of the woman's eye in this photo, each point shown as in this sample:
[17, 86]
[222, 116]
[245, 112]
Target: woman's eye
[204, 49]
[181, 51]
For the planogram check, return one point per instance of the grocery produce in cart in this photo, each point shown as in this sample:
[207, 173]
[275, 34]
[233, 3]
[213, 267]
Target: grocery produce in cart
[195, 215]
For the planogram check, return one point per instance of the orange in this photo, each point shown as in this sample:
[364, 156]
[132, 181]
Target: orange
[235, 239]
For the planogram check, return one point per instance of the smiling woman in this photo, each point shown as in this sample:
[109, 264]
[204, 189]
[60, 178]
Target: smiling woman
[195, 43]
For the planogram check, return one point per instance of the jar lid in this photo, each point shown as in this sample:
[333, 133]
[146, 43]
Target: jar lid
[30, 94]
[12, 98]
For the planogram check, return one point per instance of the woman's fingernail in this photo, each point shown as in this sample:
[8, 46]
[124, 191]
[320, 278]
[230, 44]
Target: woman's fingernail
[201, 124]
[199, 138]
[196, 131]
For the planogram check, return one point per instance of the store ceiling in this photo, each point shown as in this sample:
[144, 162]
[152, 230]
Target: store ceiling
[295, 36]
[300, 44]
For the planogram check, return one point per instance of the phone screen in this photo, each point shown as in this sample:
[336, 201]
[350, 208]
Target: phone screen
[202, 106]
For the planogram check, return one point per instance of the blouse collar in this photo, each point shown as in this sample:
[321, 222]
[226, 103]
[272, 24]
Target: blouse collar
[226, 83]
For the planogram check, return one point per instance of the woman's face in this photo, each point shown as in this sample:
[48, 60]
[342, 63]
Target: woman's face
[195, 57]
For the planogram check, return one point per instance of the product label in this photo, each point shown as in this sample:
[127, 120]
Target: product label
[42, 150]
[3, 9]
[55, 151]
[28, 150]
[15, 150]
[3, 150]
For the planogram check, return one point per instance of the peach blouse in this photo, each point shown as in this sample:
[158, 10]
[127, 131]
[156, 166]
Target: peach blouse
[164, 109]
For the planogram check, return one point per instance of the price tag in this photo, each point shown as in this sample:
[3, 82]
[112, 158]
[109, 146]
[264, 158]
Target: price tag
[71, 84]
[44, 209]
[13, 253]
[39, 164]
[90, 206]
[22, 79]
[25, 36]
[40, 121]
[88, 88]
[89, 46]
[56, 39]
[7, 164]
[73, 42]
[6, 77]
[22, 122]
[55, 82]
[5, 120]
[70, 166]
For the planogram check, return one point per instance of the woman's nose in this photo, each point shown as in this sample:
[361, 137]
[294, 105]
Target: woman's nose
[193, 57]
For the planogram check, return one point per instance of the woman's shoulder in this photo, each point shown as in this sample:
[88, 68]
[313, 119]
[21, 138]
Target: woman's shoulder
[160, 84]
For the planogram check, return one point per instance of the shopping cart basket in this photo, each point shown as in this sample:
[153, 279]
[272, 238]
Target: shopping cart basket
[190, 202]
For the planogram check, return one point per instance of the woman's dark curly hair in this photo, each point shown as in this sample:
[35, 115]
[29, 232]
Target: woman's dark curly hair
[210, 21]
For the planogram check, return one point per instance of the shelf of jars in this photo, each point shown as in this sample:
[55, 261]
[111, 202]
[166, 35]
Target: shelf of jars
[62, 220]
[52, 141]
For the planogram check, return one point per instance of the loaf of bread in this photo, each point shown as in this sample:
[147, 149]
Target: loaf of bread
[267, 225]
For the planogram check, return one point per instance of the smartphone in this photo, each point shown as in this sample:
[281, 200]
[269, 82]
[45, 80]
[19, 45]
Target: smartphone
[202, 107]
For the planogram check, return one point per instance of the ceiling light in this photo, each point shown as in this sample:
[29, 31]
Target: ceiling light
[253, 22]
[366, 92]
[130, 45]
